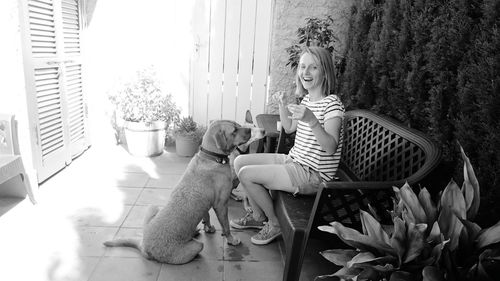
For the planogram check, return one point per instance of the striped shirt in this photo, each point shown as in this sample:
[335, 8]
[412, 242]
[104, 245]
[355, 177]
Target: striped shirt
[306, 149]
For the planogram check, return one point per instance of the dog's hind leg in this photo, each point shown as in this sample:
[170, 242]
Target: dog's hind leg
[186, 253]
[150, 214]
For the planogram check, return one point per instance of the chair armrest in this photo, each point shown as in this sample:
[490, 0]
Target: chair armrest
[362, 185]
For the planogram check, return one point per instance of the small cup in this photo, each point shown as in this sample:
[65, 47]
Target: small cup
[278, 126]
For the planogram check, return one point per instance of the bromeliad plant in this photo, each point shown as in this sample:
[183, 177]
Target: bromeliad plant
[427, 241]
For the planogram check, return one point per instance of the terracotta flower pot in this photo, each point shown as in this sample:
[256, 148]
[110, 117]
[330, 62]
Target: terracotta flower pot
[145, 139]
[186, 146]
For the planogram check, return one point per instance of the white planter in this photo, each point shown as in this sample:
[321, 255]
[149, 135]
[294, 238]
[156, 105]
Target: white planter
[145, 139]
[185, 146]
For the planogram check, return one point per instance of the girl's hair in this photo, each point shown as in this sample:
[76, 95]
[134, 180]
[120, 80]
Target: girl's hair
[325, 60]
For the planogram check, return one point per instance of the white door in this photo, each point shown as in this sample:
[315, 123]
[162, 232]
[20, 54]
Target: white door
[53, 76]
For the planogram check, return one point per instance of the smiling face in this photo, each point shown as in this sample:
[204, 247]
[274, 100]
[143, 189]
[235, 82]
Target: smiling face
[310, 73]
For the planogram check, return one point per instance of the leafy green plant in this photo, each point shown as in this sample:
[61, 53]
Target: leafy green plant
[188, 128]
[142, 100]
[316, 32]
[426, 241]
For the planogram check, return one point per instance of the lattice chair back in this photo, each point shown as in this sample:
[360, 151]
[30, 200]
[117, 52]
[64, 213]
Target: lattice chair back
[377, 153]
[376, 150]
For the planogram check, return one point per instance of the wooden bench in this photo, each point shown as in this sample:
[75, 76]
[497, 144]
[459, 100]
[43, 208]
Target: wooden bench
[377, 153]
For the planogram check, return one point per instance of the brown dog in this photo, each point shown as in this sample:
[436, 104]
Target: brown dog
[206, 183]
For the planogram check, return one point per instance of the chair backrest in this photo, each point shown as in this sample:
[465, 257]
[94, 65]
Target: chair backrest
[8, 137]
[377, 148]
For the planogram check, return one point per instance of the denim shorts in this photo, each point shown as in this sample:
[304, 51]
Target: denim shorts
[303, 178]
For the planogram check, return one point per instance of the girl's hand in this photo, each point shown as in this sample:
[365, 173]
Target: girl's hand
[302, 113]
[282, 98]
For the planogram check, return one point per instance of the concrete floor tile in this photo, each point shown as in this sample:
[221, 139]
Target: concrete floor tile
[94, 217]
[135, 217]
[91, 239]
[130, 194]
[247, 251]
[197, 270]
[164, 181]
[131, 179]
[253, 270]
[154, 196]
[125, 269]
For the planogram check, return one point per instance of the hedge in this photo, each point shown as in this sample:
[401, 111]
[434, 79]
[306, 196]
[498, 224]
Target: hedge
[435, 66]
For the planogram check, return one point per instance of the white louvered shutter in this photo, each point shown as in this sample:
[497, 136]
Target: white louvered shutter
[53, 70]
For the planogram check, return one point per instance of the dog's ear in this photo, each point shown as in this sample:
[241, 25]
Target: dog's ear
[220, 140]
[248, 117]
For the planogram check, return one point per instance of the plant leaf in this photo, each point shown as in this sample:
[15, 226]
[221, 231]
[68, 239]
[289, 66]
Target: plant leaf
[339, 256]
[348, 273]
[470, 176]
[435, 234]
[398, 239]
[489, 236]
[372, 227]
[368, 274]
[432, 273]
[471, 231]
[412, 204]
[415, 241]
[452, 208]
[355, 239]
[401, 276]
[424, 197]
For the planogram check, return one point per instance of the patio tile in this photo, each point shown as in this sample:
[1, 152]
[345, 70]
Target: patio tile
[125, 269]
[131, 179]
[154, 196]
[164, 181]
[198, 269]
[213, 245]
[136, 216]
[86, 267]
[130, 194]
[253, 270]
[93, 217]
[247, 251]
[91, 239]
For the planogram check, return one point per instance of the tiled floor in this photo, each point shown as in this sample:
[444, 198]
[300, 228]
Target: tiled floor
[104, 194]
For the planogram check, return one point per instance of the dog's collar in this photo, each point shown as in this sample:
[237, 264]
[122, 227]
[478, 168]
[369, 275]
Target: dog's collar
[219, 158]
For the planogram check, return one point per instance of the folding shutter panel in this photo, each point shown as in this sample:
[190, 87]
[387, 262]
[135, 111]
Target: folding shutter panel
[54, 82]
[77, 113]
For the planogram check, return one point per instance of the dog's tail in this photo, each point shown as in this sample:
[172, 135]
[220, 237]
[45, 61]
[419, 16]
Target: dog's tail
[127, 242]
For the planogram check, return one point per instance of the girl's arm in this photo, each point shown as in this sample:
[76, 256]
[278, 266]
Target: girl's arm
[286, 122]
[327, 136]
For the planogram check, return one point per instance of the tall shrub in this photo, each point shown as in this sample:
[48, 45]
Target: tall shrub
[434, 65]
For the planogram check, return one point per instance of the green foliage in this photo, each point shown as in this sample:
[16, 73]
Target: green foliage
[434, 66]
[427, 241]
[316, 32]
[188, 128]
[142, 100]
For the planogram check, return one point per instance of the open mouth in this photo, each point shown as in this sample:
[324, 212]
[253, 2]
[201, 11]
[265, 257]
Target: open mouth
[307, 79]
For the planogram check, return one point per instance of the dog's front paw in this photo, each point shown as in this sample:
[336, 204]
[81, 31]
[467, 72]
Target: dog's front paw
[233, 240]
[209, 228]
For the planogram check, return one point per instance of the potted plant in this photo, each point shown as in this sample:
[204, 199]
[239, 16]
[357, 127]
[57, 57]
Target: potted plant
[188, 136]
[146, 113]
